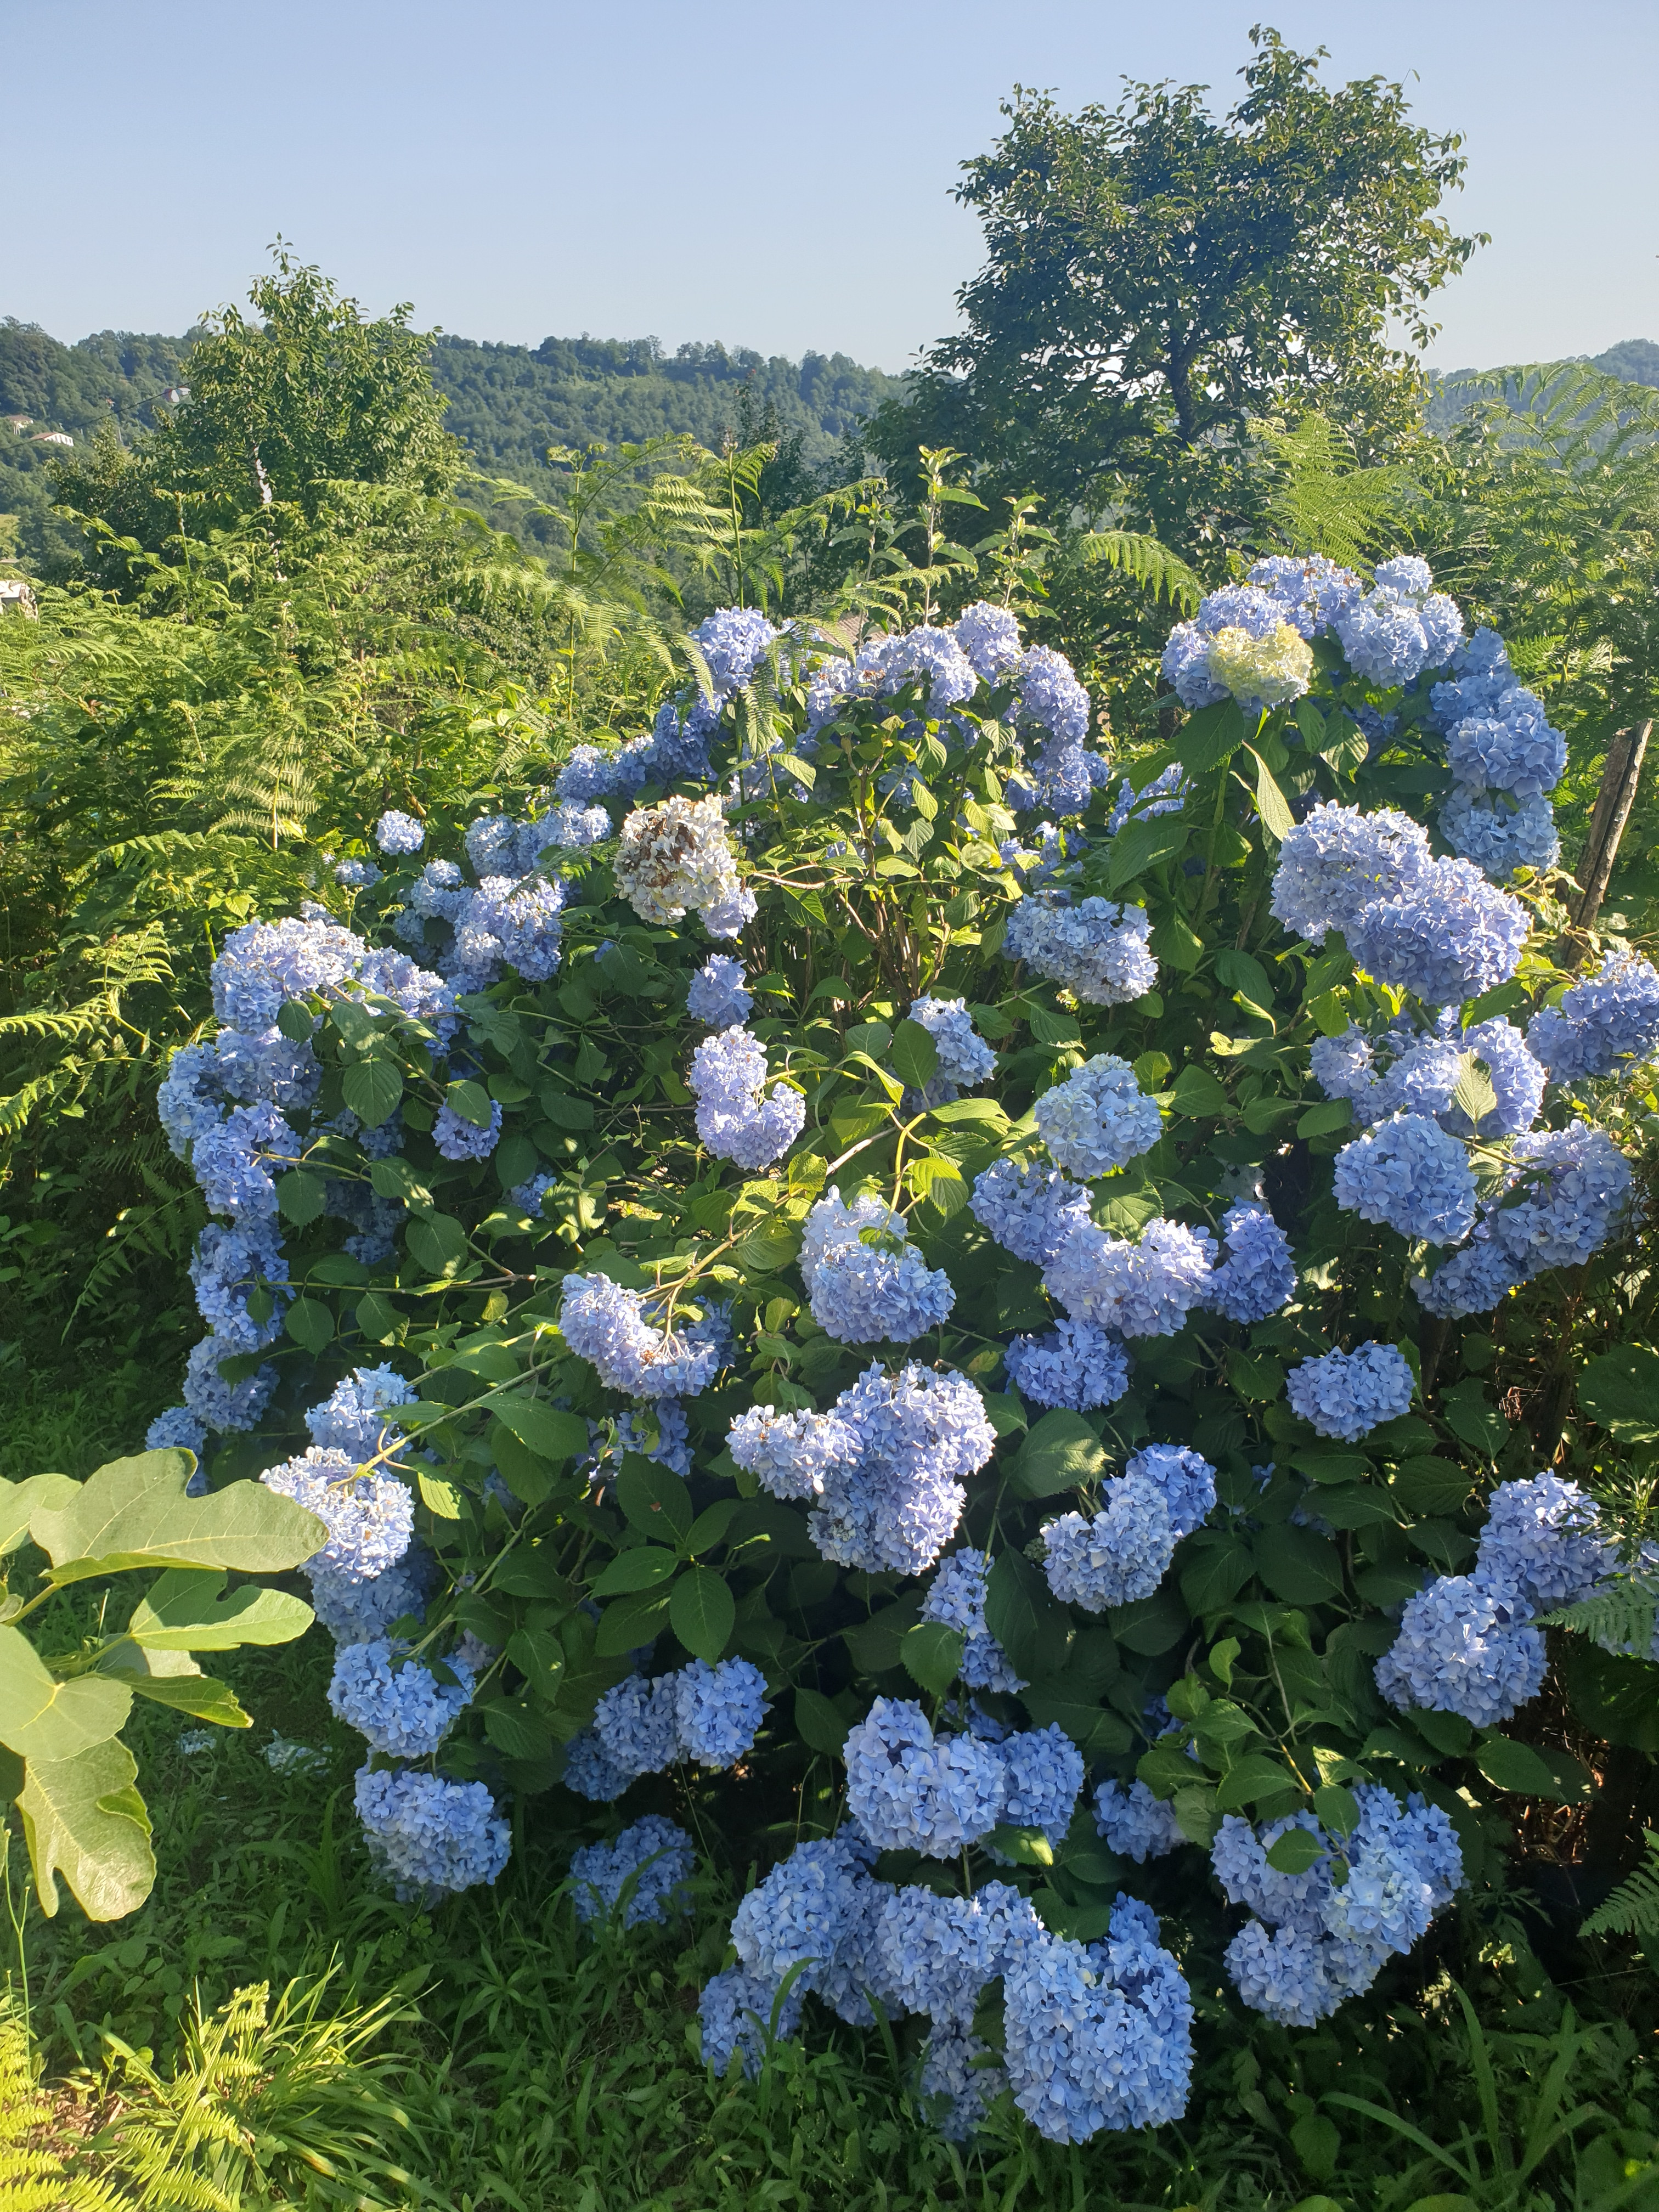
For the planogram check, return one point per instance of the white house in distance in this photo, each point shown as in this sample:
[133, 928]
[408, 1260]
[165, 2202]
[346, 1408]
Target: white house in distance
[19, 422]
[52, 438]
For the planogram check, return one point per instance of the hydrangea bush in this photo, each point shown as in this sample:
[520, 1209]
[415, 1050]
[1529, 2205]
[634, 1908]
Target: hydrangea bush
[846, 1273]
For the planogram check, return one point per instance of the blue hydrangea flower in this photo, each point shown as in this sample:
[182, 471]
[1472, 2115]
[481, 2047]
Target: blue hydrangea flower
[718, 1710]
[1166, 793]
[263, 964]
[177, 1427]
[356, 1417]
[219, 1405]
[1098, 2036]
[398, 834]
[1401, 627]
[575, 828]
[528, 1196]
[1280, 1972]
[191, 1098]
[1045, 1777]
[1481, 674]
[861, 1290]
[910, 1790]
[592, 775]
[1236, 610]
[1518, 1079]
[956, 1599]
[1050, 695]
[1339, 860]
[355, 1610]
[1310, 592]
[434, 1837]
[1099, 1118]
[672, 1446]
[637, 1722]
[232, 1162]
[1500, 837]
[808, 1912]
[1466, 1645]
[1611, 1016]
[1075, 1365]
[1348, 1394]
[932, 657]
[1541, 1541]
[1185, 1479]
[656, 1852]
[1409, 1173]
[1135, 1822]
[369, 1517]
[1472, 1280]
[737, 2012]
[229, 1267]
[1119, 1556]
[458, 1138]
[790, 1453]
[717, 995]
[1568, 1188]
[1448, 936]
[990, 637]
[959, 2070]
[920, 1434]
[737, 1119]
[357, 875]
[733, 640]
[404, 1711]
[590, 1770]
[1145, 1288]
[1512, 749]
[1096, 949]
[1258, 1277]
[964, 1057]
[604, 1323]
[1030, 1210]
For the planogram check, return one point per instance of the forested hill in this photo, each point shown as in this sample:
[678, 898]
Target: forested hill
[509, 403]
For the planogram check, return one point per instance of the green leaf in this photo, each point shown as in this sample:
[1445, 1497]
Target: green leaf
[1528, 1771]
[1052, 1029]
[819, 1723]
[1214, 1569]
[471, 1102]
[372, 1088]
[628, 1622]
[438, 1243]
[565, 1112]
[20, 1501]
[703, 1614]
[301, 1196]
[653, 1498]
[1473, 1090]
[768, 1248]
[1061, 1452]
[711, 1525]
[1331, 1467]
[185, 1611]
[295, 1021]
[1023, 1613]
[1150, 1625]
[1337, 1808]
[1257, 1377]
[1469, 1413]
[872, 1038]
[1320, 1121]
[1297, 1565]
[1025, 1846]
[134, 1513]
[641, 1569]
[1197, 1094]
[1141, 844]
[551, 1434]
[41, 1718]
[1210, 737]
[439, 1496]
[1255, 1775]
[199, 1695]
[931, 1654]
[1270, 803]
[82, 1818]
[310, 1323]
[377, 1318]
[539, 1657]
[1430, 1486]
[1621, 1392]
[1295, 1851]
[915, 1055]
[515, 1730]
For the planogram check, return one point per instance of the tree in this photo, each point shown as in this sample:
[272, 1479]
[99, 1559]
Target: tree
[1156, 278]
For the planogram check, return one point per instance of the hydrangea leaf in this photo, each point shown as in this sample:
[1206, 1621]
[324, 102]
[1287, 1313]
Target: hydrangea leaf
[932, 1653]
[915, 1054]
[1021, 1612]
[41, 1718]
[639, 1569]
[1140, 844]
[134, 1513]
[1061, 1452]
[654, 1499]
[703, 1614]
[187, 1611]
[544, 1429]
[1621, 1392]
[1254, 1776]
[1298, 1566]
[821, 1724]
[82, 1818]
[372, 1088]
[1527, 1771]
[1295, 1851]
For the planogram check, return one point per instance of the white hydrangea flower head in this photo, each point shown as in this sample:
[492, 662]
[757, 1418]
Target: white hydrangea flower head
[677, 856]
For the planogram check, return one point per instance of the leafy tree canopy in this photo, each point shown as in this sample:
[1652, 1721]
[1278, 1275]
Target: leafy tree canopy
[1156, 276]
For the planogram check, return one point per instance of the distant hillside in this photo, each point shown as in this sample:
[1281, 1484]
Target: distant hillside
[1636, 361]
[508, 403]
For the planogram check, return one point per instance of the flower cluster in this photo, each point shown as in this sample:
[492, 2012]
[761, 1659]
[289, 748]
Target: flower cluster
[1123, 1552]
[1609, 1019]
[1239, 644]
[1030, 1210]
[1098, 1119]
[912, 1791]
[1349, 1394]
[1096, 949]
[433, 1836]
[1315, 1938]
[865, 1283]
[737, 1119]
[602, 1322]
[1400, 628]
[1506, 759]
[717, 996]
[1165, 795]
[990, 637]
[1333, 865]
[708, 1714]
[677, 856]
[654, 1860]
[1466, 1644]
[1135, 1823]
[956, 1599]
[1404, 1071]
[1076, 1363]
[790, 1453]
[964, 1057]
[920, 1434]
[1446, 936]
[1258, 1276]
[1143, 1289]
[1410, 1175]
[403, 1709]
[1565, 1193]
[398, 834]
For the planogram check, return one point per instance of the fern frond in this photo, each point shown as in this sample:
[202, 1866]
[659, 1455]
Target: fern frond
[1619, 1619]
[1320, 502]
[33, 2176]
[1146, 560]
[19, 1107]
[1633, 1908]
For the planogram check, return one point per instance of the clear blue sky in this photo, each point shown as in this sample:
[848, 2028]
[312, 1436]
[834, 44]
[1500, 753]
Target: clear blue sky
[770, 175]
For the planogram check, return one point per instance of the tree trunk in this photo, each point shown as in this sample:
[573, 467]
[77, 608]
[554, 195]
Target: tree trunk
[1620, 777]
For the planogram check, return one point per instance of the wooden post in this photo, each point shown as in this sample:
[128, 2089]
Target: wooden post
[1620, 775]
